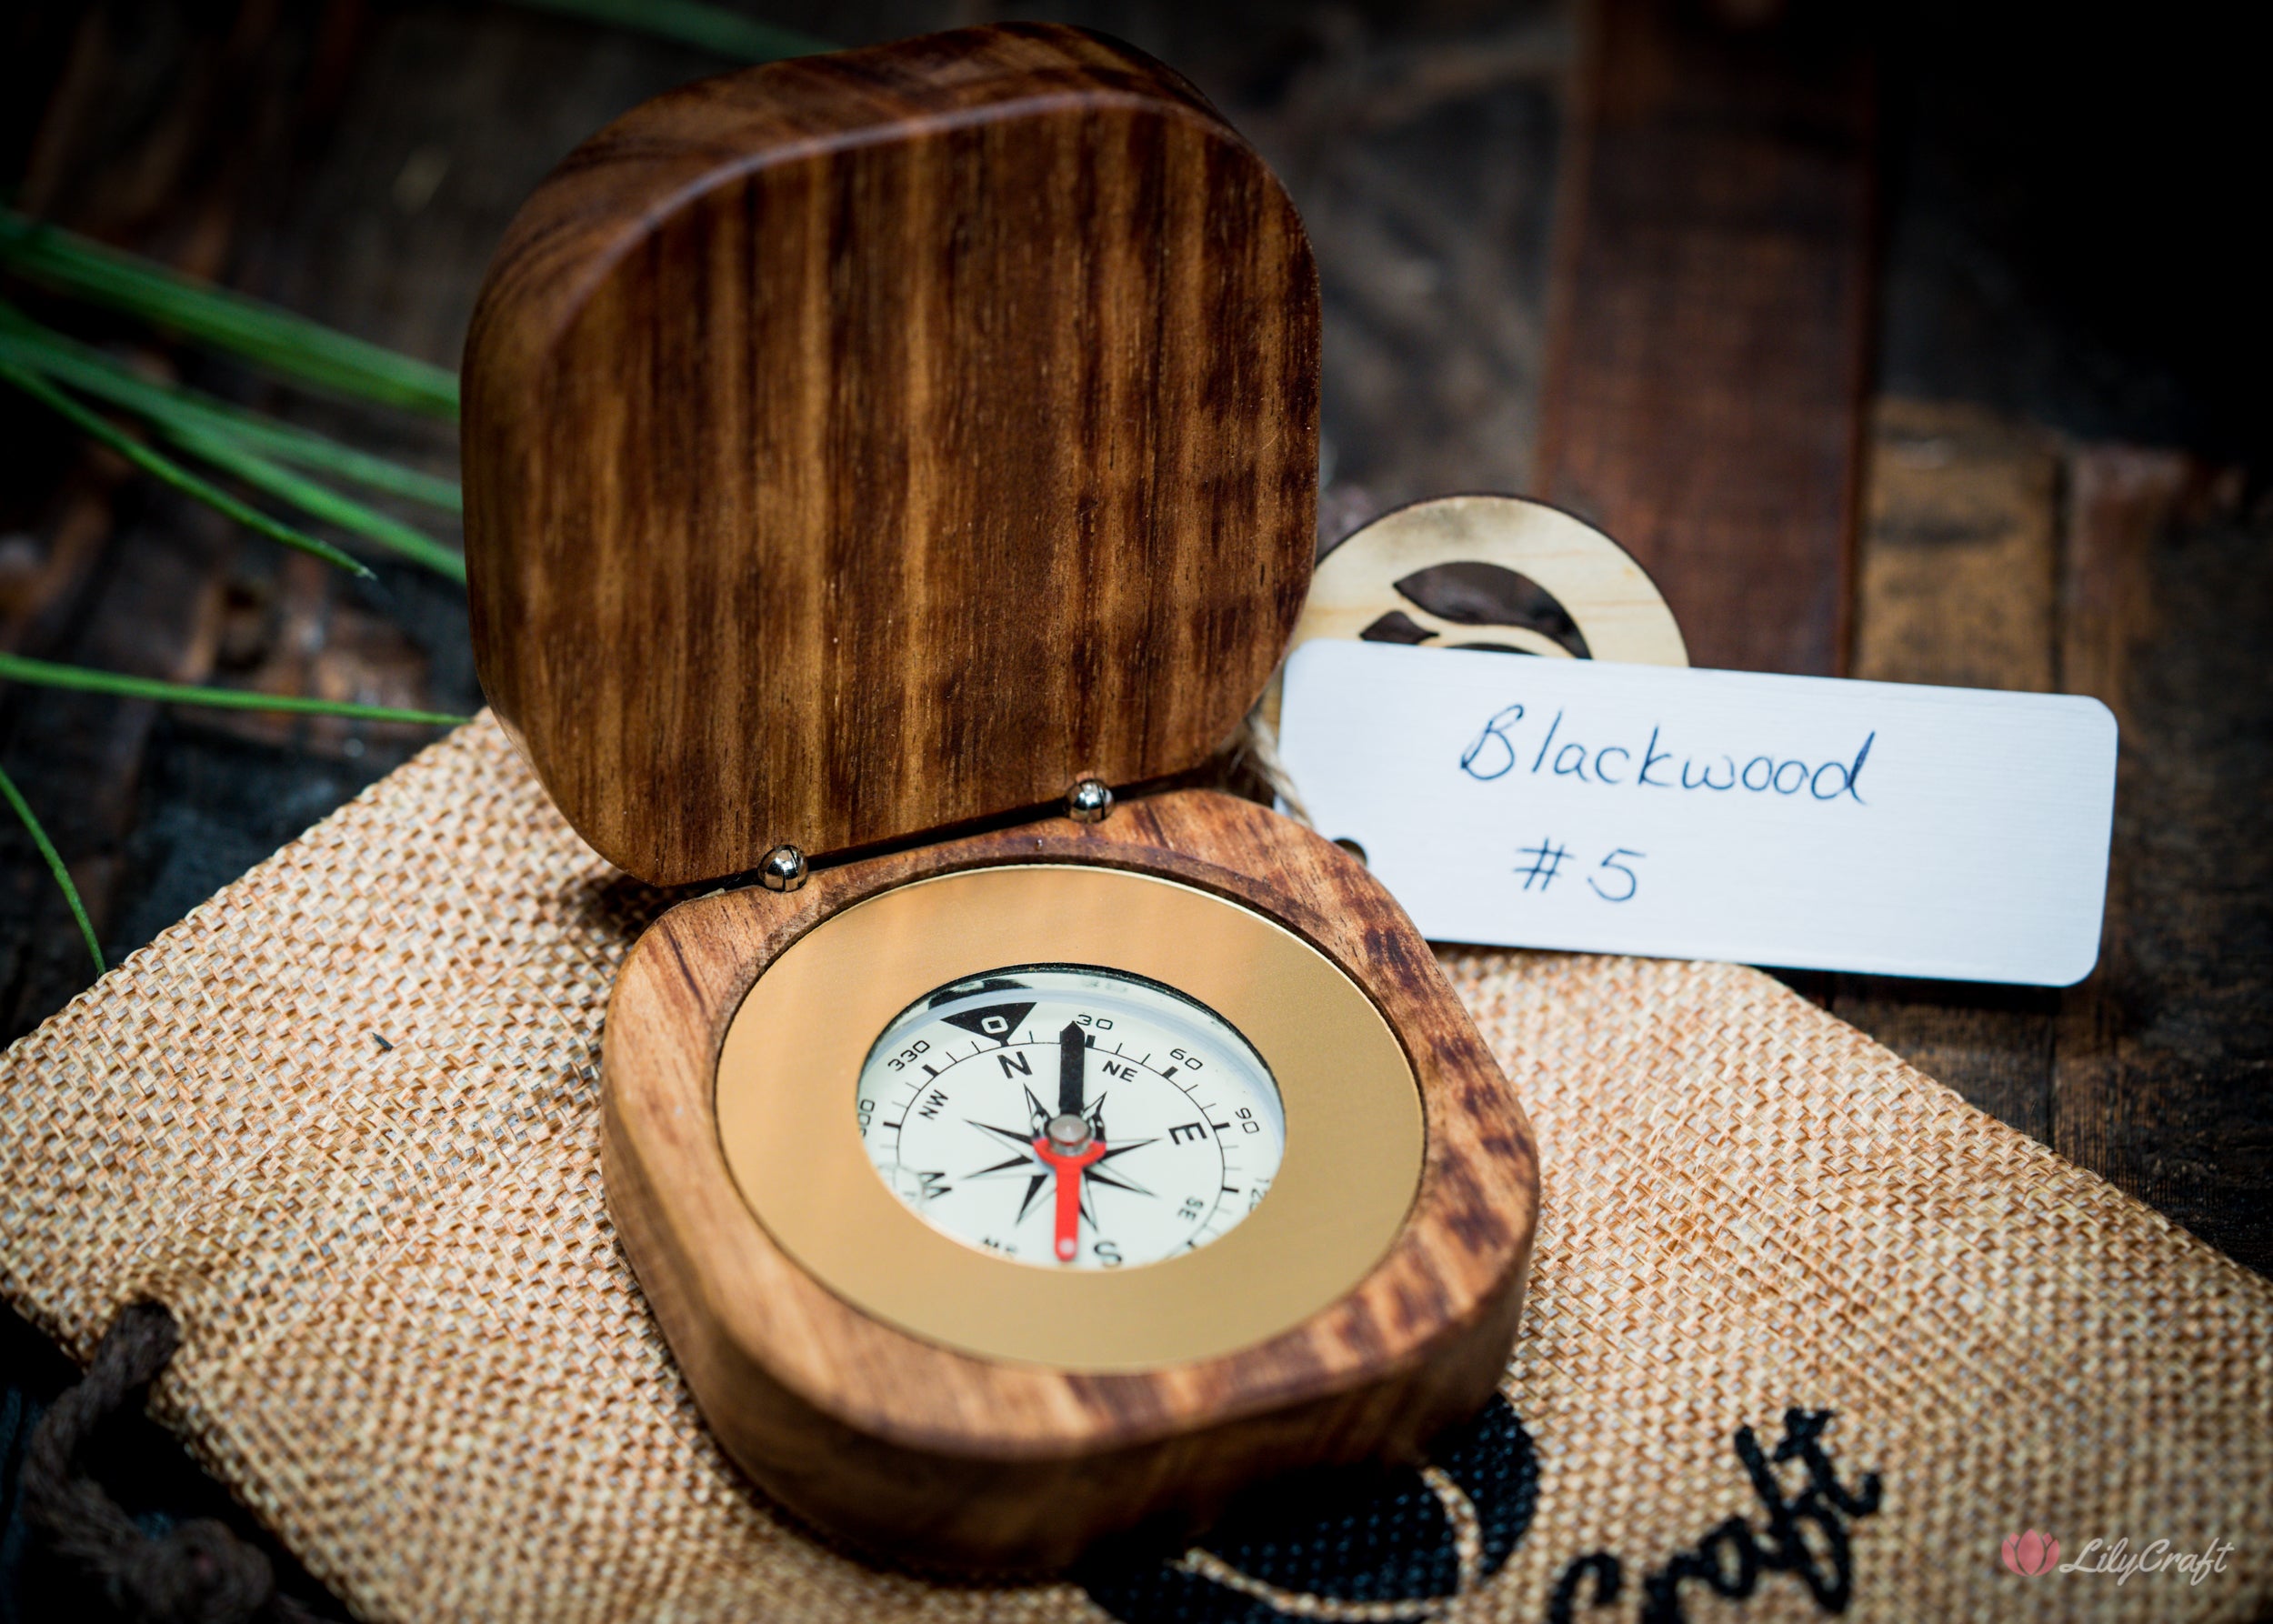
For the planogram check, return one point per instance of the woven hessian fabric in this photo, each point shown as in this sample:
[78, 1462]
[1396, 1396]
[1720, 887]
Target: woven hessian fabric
[343, 1119]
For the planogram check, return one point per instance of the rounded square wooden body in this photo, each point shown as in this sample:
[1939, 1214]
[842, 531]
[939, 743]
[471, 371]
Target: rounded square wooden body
[929, 1456]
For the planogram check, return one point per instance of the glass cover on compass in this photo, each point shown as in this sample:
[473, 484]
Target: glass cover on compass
[1069, 1115]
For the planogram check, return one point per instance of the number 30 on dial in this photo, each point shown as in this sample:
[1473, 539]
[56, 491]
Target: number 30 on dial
[1071, 1116]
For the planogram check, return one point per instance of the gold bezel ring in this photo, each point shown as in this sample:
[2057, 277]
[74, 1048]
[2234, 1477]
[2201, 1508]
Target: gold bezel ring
[790, 1064]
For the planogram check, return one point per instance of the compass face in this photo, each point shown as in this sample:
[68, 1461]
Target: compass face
[1068, 1115]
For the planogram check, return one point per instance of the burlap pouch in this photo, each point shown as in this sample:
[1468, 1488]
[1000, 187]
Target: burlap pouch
[1806, 1331]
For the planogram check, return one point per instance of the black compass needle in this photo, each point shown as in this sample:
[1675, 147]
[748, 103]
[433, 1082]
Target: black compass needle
[1073, 1052]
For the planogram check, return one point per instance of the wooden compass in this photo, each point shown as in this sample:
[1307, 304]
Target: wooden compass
[887, 475]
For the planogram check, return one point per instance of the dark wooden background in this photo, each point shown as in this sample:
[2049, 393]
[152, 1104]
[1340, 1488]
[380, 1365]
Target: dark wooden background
[1920, 347]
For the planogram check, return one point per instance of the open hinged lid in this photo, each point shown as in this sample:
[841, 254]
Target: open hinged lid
[866, 444]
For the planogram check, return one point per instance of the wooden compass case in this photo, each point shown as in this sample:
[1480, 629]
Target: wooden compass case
[859, 451]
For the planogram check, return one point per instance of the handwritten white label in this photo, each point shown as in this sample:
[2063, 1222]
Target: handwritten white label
[1783, 820]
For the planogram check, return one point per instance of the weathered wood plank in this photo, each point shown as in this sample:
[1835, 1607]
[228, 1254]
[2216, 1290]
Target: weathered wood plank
[2164, 1054]
[2121, 504]
[207, 140]
[1709, 321]
[79, 757]
[144, 598]
[1959, 554]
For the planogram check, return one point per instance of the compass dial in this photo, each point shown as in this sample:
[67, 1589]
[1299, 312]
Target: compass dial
[1068, 1116]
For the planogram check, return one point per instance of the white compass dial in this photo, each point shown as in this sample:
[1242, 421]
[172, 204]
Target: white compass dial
[1068, 1115]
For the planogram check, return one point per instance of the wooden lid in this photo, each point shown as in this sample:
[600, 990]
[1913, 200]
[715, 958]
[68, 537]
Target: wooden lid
[862, 445]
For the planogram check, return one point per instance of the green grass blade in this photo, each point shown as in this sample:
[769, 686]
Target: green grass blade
[17, 667]
[55, 867]
[269, 337]
[327, 455]
[319, 501]
[172, 472]
[711, 28]
[91, 372]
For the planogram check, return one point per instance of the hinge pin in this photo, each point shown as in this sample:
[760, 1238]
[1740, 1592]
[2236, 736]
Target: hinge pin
[783, 869]
[1088, 800]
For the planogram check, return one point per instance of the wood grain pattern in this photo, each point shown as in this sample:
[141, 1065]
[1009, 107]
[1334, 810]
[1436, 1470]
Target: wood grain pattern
[931, 1456]
[1703, 402]
[866, 444]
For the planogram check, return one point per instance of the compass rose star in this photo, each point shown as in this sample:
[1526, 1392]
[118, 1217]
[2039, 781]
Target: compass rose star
[1037, 1175]
[1118, 1178]
[1023, 1141]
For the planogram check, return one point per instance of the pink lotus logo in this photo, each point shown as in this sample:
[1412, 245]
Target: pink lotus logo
[2032, 1553]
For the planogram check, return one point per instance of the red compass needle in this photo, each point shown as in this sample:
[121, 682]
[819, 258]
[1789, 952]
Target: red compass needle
[1069, 1141]
[1068, 1166]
